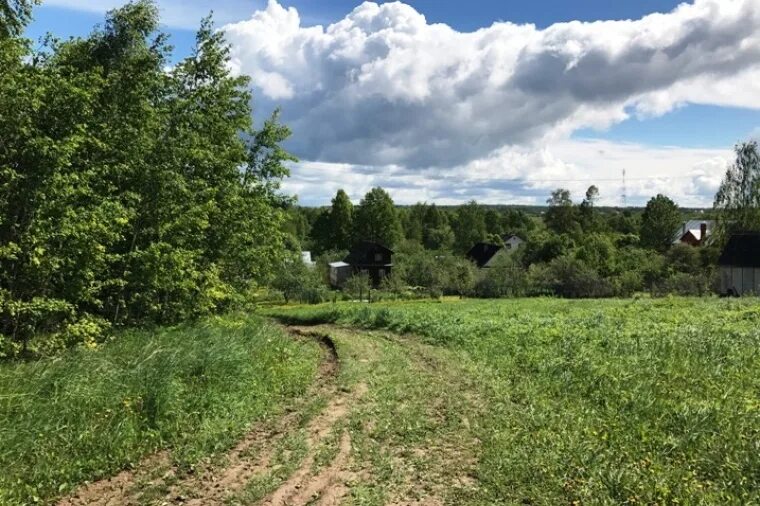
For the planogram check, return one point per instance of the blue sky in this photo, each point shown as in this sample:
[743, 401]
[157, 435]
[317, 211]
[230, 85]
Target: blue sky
[645, 111]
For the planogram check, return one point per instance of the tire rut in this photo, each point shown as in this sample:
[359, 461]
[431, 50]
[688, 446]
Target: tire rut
[214, 485]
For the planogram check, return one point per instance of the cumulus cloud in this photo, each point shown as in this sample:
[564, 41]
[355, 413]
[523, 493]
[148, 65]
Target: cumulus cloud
[527, 175]
[383, 87]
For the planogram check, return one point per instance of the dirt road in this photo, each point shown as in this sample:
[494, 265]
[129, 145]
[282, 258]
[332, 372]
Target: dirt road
[387, 421]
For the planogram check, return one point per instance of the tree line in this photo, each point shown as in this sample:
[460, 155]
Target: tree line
[571, 249]
[132, 191]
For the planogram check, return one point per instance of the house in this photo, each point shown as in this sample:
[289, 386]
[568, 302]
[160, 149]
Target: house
[365, 257]
[694, 232]
[307, 260]
[740, 265]
[485, 255]
[512, 242]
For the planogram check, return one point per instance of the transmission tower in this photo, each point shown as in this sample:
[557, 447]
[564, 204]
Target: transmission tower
[624, 196]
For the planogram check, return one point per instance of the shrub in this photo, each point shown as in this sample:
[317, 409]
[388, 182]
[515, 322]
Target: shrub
[682, 283]
[571, 278]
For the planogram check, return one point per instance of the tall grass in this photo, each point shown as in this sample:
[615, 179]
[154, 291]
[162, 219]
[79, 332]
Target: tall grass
[599, 402]
[91, 412]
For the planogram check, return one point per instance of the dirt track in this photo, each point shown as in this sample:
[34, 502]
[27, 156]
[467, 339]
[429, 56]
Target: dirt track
[308, 455]
[252, 456]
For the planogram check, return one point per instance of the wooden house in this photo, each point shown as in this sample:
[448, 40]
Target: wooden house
[365, 257]
[740, 265]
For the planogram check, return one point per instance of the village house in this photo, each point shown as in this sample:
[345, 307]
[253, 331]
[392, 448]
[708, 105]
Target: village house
[366, 257]
[694, 232]
[740, 265]
[485, 255]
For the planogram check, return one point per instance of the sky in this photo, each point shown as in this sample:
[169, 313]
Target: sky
[502, 102]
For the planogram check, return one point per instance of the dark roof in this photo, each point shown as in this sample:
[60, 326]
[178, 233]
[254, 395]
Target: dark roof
[365, 250]
[742, 250]
[482, 253]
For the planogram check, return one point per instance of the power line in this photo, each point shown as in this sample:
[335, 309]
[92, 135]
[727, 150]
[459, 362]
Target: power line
[594, 180]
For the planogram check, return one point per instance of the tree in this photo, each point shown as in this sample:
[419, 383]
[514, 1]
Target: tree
[376, 219]
[14, 15]
[130, 194]
[469, 226]
[561, 215]
[341, 221]
[738, 198]
[659, 221]
[494, 222]
[589, 218]
[436, 231]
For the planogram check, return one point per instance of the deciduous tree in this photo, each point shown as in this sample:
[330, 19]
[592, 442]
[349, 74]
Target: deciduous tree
[376, 219]
[738, 198]
[659, 222]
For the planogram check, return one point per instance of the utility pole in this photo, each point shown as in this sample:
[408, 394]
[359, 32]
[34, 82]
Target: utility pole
[624, 196]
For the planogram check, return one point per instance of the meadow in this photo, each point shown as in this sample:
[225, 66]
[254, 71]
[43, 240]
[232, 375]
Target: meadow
[524, 401]
[92, 412]
[590, 402]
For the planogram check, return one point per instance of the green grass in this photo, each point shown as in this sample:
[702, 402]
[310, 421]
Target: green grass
[91, 412]
[594, 402]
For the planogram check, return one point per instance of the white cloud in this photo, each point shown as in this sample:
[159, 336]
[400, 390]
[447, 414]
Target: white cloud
[382, 97]
[383, 86]
[515, 175]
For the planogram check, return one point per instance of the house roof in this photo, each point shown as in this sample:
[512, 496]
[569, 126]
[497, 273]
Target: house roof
[697, 233]
[742, 250]
[695, 227]
[364, 250]
[482, 253]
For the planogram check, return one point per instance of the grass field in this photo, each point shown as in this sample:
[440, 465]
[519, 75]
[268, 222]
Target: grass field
[536, 401]
[92, 412]
[592, 402]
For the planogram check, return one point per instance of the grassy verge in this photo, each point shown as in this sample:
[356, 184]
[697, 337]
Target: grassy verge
[92, 412]
[647, 401]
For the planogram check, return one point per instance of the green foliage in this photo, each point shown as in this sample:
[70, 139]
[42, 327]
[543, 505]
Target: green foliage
[469, 226]
[131, 194]
[341, 218]
[572, 278]
[545, 247]
[738, 198]
[562, 216]
[376, 219]
[14, 15]
[98, 409]
[301, 282]
[358, 286]
[504, 278]
[659, 222]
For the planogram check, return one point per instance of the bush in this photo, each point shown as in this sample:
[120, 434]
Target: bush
[45, 318]
[685, 284]
[627, 283]
[506, 280]
[571, 278]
